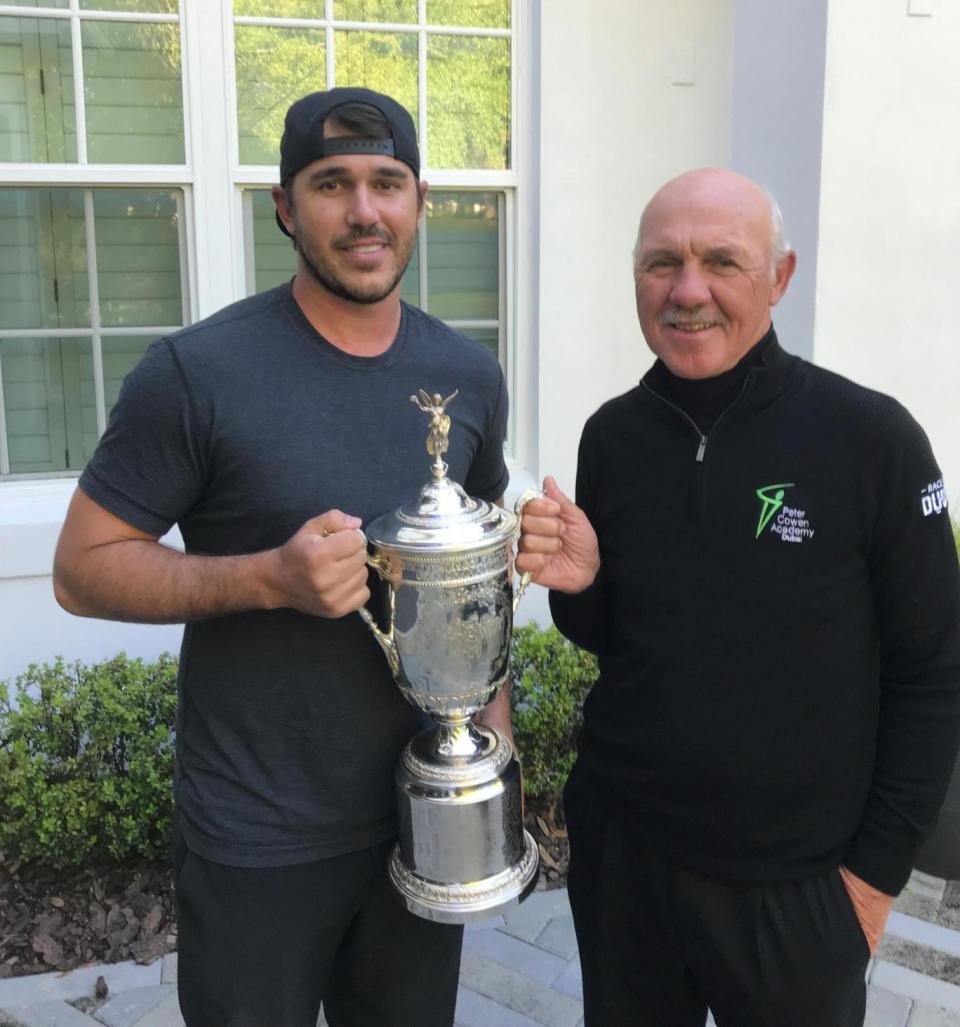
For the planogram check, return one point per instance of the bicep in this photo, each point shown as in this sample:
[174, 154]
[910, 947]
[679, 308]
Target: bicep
[87, 526]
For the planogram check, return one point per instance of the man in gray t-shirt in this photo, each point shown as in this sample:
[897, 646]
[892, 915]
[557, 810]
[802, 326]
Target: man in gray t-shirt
[269, 432]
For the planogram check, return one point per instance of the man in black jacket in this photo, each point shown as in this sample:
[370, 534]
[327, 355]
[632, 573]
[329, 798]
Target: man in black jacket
[760, 556]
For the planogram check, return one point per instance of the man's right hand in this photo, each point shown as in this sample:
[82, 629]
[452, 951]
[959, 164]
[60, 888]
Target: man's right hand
[322, 569]
[557, 542]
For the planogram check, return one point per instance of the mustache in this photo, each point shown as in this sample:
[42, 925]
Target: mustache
[359, 234]
[671, 317]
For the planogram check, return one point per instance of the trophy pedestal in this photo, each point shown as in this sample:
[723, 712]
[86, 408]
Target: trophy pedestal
[463, 853]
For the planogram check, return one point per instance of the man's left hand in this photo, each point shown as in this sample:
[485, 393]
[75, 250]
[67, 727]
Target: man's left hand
[872, 907]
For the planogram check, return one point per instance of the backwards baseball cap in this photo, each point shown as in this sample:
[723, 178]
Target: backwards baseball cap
[303, 141]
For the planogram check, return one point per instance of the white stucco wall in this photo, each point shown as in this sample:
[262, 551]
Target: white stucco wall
[778, 77]
[614, 126]
[890, 211]
[33, 628]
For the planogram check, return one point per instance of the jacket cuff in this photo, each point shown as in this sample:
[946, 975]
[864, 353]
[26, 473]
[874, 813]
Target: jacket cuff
[882, 863]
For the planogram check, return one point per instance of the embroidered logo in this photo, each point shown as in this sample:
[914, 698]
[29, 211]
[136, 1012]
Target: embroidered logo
[933, 498]
[789, 522]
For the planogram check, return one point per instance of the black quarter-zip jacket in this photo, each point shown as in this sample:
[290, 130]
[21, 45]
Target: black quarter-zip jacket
[777, 620]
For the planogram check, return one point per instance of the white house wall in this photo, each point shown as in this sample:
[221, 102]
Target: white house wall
[631, 95]
[33, 629]
[890, 210]
[778, 81]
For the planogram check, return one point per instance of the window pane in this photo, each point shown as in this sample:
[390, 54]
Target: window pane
[375, 10]
[43, 403]
[410, 283]
[138, 257]
[274, 259]
[463, 255]
[36, 91]
[279, 8]
[488, 14]
[133, 93]
[121, 353]
[142, 6]
[489, 337]
[468, 102]
[386, 62]
[61, 4]
[274, 68]
[43, 278]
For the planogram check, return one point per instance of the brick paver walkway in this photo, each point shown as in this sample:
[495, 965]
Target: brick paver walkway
[522, 970]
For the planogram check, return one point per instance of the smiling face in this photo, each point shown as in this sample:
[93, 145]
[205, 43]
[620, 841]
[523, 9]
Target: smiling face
[354, 222]
[704, 283]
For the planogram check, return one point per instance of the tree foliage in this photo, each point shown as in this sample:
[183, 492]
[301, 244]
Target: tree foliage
[467, 78]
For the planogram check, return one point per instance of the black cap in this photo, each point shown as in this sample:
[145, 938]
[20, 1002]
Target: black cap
[303, 140]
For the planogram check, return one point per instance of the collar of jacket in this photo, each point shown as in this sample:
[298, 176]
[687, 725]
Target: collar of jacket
[766, 377]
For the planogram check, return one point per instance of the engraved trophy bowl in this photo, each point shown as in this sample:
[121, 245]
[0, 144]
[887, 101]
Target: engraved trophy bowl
[463, 853]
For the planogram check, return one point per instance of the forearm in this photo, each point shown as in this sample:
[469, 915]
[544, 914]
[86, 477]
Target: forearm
[143, 581]
[497, 713]
[582, 617]
[916, 750]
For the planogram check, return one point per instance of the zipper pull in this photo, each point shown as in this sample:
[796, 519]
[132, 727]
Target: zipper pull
[702, 447]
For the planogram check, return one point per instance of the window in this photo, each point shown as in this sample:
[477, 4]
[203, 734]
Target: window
[87, 279]
[138, 141]
[91, 269]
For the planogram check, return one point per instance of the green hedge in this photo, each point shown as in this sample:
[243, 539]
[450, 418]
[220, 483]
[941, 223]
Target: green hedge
[86, 752]
[550, 679]
[86, 760]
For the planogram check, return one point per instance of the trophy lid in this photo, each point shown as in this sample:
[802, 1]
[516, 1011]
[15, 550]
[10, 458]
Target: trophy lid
[443, 518]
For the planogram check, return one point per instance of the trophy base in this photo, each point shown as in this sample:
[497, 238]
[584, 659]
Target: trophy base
[470, 901]
[463, 854]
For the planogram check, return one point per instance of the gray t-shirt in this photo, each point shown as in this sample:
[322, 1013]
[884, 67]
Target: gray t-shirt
[240, 429]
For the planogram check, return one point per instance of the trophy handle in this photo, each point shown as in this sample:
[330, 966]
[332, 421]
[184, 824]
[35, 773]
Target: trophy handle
[526, 577]
[385, 639]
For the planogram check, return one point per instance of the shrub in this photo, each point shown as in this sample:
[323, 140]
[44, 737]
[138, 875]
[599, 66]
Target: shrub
[550, 679]
[86, 760]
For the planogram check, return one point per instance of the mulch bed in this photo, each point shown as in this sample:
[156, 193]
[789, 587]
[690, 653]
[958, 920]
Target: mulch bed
[59, 919]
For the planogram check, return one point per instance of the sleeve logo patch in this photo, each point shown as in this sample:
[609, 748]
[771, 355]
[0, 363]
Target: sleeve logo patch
[933, 498]
[777, 517]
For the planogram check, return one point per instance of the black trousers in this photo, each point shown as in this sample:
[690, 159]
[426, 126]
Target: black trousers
[659, 944]
[265, 947]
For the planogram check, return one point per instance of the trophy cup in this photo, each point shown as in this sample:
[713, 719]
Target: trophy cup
[463, 853]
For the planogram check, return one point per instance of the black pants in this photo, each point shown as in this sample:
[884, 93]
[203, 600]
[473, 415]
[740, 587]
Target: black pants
[659, 945]
[264, 947]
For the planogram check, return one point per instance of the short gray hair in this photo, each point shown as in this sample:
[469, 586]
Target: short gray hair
[779, 246]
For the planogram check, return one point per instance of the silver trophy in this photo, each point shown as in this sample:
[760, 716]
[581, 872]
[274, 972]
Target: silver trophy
[463, 853]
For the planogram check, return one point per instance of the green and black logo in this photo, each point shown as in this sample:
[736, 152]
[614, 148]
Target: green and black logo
[770, 504]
